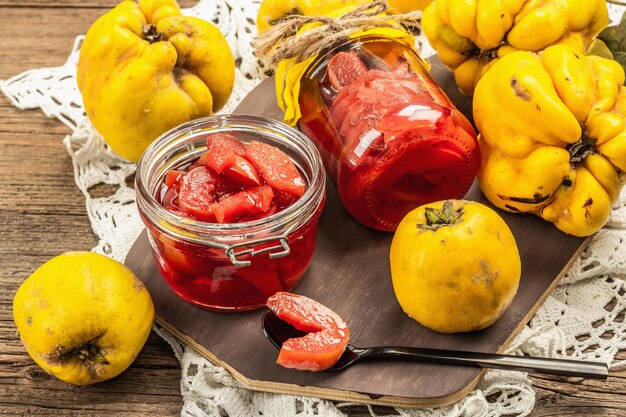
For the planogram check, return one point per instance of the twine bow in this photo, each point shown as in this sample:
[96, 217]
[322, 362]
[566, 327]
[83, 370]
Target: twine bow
[280, 41]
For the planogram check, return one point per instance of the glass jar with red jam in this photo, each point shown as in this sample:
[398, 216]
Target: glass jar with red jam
[390, 138]
[231, 204]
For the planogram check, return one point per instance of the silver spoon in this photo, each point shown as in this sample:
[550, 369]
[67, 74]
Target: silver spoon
[278, 331]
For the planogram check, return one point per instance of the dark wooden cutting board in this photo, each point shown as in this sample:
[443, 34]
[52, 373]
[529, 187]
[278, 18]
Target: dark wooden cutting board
[350, 274]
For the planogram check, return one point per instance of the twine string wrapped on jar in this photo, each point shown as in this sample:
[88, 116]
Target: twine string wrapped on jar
[286, 39]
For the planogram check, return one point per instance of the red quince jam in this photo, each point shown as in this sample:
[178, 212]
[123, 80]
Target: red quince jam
[232, 182]
[327, 334]
[390, 138]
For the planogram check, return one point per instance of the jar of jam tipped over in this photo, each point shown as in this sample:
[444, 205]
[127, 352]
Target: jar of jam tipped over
[231, 204]
[390, 138]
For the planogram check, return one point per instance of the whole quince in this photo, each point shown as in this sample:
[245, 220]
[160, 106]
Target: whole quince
[83, 317]
[555, 143]
[455, 266]
[144, 69]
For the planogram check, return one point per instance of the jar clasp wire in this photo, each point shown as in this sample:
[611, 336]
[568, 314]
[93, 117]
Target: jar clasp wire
[283, 246]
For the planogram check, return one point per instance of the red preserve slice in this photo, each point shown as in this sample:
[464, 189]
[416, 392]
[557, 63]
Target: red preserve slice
[409, 121]
[276, 168]
[342, 104]
[196, 193]
[284, 199]
[397, 91]
[239, 170]
[362, 115]
[170, 198]
[173, 177]
[248, 202]
[327, 336]
[251, 217]
[345, 68]
[219, 147]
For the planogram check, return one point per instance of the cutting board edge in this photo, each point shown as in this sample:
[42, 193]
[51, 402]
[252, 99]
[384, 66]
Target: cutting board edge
[324, 393]
[546, 293]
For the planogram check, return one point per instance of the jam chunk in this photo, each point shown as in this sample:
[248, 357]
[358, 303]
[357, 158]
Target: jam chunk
[234, 182]
[276, 168]
[327, 334]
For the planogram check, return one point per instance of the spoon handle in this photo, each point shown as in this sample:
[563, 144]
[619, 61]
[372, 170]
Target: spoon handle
[598, 370]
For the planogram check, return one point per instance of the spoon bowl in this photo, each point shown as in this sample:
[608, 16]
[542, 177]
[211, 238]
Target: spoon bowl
[278, 331]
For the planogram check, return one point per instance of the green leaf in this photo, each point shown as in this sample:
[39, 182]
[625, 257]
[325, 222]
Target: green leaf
[599, 48]
[621, 27]
[446, 216]
[620, 57]
[611, 43]
[447, 209]
[431, 216]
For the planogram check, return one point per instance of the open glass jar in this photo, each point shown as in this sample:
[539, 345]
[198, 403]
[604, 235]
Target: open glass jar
[233, 266]
[390, 138]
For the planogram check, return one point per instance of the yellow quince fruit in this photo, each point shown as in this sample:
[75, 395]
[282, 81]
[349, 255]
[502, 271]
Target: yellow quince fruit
[83, 317]
[455, 265]
[144, 69]
[553, 136]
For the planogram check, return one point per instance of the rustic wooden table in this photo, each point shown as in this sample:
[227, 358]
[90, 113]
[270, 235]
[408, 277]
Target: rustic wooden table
[43, 214]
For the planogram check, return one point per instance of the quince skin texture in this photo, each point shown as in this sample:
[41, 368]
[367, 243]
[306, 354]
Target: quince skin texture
[83, 317]
[455, 266]
[144, 69]
[553, 136]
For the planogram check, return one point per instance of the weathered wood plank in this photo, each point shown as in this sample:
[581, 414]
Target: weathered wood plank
[35, 37]
[42, 214]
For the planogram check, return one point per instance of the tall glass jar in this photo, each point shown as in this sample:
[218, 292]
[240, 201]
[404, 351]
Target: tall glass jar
[230, 267]
[390, 138]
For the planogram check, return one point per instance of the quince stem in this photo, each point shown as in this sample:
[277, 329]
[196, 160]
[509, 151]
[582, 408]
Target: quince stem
[446, 216]
[89, 352]
[150, 34]
[578, 151]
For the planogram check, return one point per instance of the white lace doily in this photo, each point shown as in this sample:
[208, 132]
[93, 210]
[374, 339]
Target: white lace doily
[583, 318]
